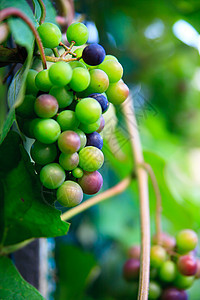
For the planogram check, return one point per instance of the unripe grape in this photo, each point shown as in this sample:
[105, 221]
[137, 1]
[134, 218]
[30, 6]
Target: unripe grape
[82, 137]
[154, 290]
[26, 109]
[43, 154]
[46, 106]
[46, 131]
[42, 81]
[69, 194]
[134, 252]
[52, 176]
[50, 35]
[167, 271]
[88, 110]
[91, 183]
[69, 142]
[117, 92]
[30, 82]
[166, 240]
[99, 82]
[158, 256]
[186, 240]
[95, 139]
[77, 172]
[77, 63]
[102, 125]
[69, 161]
[78, 33]
[103, 101]
[91, 159]
[93, 54]
[174, 294]
[131, 269]
[112, 57]
[68, 120]
[187, 265]
[113, 69]
[80, 79]
[184, 282]
[89, 128]
[60, 73]
[63, 96]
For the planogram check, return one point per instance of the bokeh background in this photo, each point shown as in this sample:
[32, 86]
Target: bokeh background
[158, 44]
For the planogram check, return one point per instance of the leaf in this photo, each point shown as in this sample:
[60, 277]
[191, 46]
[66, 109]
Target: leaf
[7, 124]
[74, 270]
[50, 11]
[26, 212]
[12, 285]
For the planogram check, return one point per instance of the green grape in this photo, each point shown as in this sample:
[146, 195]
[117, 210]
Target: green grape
[67, 120]
[80, 79]
[88, 110]
[69, 161]
[50, 35]
[60, 73]
[184, 282]
[69, 142]
[110, 57]
[26, 109]
[69, 194]
[46, 131]
[27, 126]
[82, 137]
[91, 159]
[99, 82]
[168, 271]
[117, 92]
[186, 240]
[79, 52]
[30, 82]
[154, 290]
[158, 256]
[89, 128]
[77, 64]
[42, 81]
[78, 33]
[113, 69]
[77, 172]
[43, 154]
[46, 106]
[63, 96]
[52, 176]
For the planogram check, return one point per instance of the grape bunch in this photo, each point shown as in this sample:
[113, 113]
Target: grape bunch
[173, 265]
[63, 111]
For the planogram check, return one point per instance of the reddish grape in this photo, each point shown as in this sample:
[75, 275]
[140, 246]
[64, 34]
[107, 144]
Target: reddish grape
[131, 269]
[187, 265]
[174, 294]
[167, 241]
[91, 183]
[46, 106]
[69, 142]
[134, 252]
[102, 125]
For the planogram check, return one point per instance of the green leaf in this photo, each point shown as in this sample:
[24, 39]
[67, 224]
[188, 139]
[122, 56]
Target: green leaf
[50, 11]
[12, 285]
[7, 124]
[25, 209]
[74, 271]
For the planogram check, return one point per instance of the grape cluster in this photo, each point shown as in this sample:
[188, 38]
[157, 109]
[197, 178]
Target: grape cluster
[173, 265]
[63, 111]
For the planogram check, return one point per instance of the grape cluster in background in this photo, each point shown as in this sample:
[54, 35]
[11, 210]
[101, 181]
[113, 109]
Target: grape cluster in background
[63, 111]
[174, 265]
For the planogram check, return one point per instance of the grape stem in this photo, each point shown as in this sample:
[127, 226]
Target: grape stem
[68, 49]
[151, 173]
[11, 11]
[55, 52]
[113, 191]
[43, 11]
[142, 177]
[55, 59]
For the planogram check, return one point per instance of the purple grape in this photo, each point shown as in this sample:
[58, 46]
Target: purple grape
[131, 269]
[91, 183]
[102, 124]
[174, 294]
[93, 54]
[69, 142]
[103, 101]
[94, 139]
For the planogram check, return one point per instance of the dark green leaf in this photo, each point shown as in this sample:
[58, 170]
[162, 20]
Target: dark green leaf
[50, 11]
[12, 285]
[7, 124]
[26, 212]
